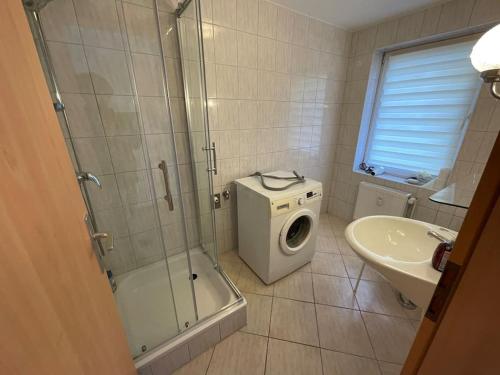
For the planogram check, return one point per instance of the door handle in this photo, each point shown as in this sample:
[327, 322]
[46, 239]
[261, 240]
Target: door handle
[87, 176]
[168, 195]
[214, 153]
[100, 236]
[96, 244]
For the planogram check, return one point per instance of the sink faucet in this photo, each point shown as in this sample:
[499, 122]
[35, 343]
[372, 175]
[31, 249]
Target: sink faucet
[436, 235]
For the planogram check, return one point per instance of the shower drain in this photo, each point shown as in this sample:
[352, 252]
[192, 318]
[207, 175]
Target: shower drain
[144, 348]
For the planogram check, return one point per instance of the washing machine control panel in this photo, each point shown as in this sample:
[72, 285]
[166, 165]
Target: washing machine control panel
[282, 206]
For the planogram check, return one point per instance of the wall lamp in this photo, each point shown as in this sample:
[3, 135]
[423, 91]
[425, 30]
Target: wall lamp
[485, 58]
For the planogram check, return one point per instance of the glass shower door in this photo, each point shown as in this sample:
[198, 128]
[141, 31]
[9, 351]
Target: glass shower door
[203, 148]
[105, 76]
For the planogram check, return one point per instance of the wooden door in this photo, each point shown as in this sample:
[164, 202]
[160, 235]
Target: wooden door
[463, 336]
[57, 313]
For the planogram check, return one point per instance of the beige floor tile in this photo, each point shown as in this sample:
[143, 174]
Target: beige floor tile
[231, 264]
[297, 285]
[197, 366]
[327, 245]
[344, 247]
[343, 330]
[353, 266]
[328, 264]
[414, 314]
[232, 269]
[415, 324]
[338, 226]
[334, 291]
[335, 363]
[285, 358]
[230, 256]
[305, 268]
[249, 282]
[390, 368]
[378, 298]
[294, 321]
[241, 353]
[325, 231]
[391, 337]
[258, 314]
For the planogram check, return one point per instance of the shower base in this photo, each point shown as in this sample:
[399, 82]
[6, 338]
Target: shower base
[144, 300]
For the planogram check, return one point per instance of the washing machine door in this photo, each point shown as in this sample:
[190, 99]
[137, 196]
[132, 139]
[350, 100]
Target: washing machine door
[297, 231]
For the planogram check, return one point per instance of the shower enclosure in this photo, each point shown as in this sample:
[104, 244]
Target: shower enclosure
[127, 81]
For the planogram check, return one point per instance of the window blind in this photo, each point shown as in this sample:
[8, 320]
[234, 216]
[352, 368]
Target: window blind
[423, 104]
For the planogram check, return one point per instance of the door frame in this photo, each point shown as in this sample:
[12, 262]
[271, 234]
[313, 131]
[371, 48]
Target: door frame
[483, 207]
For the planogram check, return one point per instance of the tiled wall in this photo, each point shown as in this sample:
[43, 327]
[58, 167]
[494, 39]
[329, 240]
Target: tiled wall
[482, 131]
[275, 80]
[104, 53]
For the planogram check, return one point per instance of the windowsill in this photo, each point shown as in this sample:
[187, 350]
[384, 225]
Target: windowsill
[399, 180]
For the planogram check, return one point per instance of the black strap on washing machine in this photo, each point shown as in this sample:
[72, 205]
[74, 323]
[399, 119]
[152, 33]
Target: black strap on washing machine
[297, 179]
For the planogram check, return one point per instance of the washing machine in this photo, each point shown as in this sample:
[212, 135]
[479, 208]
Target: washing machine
[277, 230]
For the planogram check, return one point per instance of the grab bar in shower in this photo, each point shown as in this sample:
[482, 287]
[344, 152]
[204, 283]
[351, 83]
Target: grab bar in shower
[168, 196]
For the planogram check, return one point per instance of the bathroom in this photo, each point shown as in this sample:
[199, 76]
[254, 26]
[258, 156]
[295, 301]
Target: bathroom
[161, 108]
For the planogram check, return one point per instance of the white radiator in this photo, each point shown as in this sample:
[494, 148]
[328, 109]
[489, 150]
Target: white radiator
[380, 200]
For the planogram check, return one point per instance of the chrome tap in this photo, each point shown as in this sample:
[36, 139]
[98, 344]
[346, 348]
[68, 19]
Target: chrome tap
[436, 235]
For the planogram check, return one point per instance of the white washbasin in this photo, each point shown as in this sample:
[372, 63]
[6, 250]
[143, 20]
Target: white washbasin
[401, 250]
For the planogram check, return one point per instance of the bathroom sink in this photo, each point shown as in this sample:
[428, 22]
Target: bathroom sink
[401, 250]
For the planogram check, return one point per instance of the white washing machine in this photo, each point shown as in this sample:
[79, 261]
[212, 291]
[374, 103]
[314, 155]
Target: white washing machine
[277, 230]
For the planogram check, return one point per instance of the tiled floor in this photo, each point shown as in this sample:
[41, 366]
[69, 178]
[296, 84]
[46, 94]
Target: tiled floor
[310, 322]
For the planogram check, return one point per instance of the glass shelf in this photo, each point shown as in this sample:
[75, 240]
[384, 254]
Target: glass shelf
[453, 195]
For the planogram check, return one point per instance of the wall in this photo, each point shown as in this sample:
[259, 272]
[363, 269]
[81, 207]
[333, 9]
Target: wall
[108, 64]
[481, 133]
[275, 80]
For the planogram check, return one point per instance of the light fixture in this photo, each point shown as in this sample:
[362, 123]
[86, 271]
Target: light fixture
[485, 57]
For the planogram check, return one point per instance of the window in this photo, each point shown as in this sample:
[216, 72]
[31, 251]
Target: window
[423, 103]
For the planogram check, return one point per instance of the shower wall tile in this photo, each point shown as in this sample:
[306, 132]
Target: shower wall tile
[142, 29]
[147, 70]
[107, 196]
[95, 73]
[134, 187]
[93, 154]
[83, 115]
[98, 22]
[122, 258]
[160, 147]
[112, 220]
[118, 114]
[59, 22]
[155, 115]
[127, 153]
[70, 66]
[147, 247]
[140, 217]
[109, 71]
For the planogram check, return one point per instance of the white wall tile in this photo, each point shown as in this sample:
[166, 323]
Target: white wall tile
[247, 15]
[268, 13]
[224, 12]
[247, 50]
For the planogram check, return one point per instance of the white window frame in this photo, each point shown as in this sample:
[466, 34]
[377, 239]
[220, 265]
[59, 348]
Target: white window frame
[401, 173]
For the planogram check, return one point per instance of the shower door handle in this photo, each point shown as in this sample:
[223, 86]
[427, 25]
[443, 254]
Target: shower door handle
[168, 195]
[214, 151]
